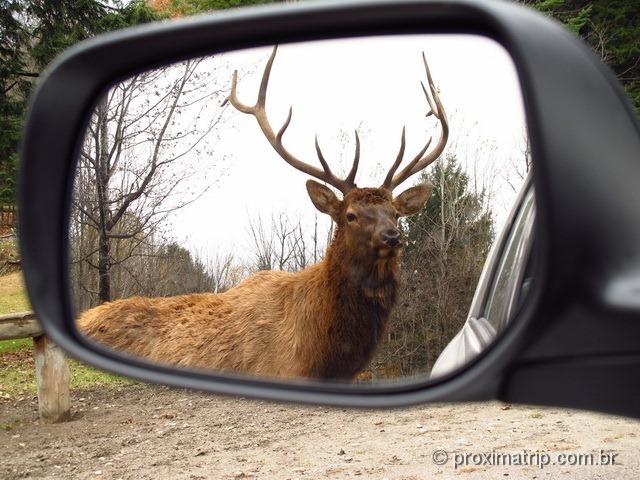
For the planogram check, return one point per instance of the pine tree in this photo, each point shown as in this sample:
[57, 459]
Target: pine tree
[446, 246]
[610, 27]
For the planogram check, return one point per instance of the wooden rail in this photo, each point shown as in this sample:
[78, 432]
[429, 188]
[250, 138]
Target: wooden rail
[19, 325]
[52, 371]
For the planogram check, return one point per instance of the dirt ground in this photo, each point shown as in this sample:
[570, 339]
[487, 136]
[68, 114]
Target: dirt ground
[144, 432]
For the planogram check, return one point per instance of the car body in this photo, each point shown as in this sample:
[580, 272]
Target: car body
[501, 289]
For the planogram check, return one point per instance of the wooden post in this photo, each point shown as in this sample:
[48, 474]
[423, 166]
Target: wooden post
[52, 380]
[52, 371]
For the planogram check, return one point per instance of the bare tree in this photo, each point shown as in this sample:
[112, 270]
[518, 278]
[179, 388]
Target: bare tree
[221, 269]
[285, 240]
[284, 245]
[139, 153]
[262, 244]
[520, 165]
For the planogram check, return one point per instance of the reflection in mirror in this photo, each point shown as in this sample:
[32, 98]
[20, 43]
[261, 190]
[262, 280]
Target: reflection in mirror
[216, 227]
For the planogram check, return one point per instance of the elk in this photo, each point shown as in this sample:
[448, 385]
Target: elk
[323, 322]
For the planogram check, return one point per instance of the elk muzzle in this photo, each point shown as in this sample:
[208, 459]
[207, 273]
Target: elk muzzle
[387, 236]
[391, 237]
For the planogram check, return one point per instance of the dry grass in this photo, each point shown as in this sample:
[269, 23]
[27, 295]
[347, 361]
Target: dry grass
[13, 296]
[17, 370]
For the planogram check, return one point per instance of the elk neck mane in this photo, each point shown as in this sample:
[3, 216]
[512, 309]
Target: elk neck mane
[360, 291]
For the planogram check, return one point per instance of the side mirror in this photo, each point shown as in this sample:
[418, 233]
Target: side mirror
[130, 127]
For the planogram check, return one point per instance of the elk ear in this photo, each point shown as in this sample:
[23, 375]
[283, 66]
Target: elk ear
[413, 199]
[324, 199]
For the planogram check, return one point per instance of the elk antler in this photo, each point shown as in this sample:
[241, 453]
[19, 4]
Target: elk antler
[259, 111]
[420, 162]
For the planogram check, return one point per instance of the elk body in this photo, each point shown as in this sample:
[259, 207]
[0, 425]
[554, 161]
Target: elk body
[322, 322]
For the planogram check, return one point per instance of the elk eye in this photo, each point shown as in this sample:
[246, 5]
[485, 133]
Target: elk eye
[351, 217]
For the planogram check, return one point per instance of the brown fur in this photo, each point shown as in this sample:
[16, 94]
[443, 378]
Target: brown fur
[322, 322]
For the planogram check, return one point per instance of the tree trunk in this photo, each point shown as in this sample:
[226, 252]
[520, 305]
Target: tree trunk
[103, 270]
[102, 174]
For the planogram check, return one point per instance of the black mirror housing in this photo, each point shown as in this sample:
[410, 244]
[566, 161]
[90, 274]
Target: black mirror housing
[575, 340]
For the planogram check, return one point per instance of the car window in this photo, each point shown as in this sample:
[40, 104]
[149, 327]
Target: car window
[505, 278]
[510, 282]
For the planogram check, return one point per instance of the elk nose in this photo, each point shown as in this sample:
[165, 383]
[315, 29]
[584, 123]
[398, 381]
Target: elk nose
[391, 237]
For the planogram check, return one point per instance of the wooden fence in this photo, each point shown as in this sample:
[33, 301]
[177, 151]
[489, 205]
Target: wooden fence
[52, 370]
[8, 216]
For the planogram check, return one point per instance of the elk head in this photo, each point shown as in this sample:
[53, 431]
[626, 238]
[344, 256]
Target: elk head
[367, 217]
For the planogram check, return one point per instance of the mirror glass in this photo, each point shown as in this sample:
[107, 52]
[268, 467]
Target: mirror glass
[320, 210]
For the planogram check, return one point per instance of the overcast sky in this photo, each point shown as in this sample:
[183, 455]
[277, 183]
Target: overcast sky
[336, 86]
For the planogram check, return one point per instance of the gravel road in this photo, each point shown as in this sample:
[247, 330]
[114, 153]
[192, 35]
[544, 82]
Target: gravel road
[145, 432]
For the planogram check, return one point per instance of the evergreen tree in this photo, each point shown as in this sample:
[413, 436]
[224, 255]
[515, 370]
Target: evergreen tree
[34, 32]
[611, 27]
[446, 246]
[180, 8]
[14, 89]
